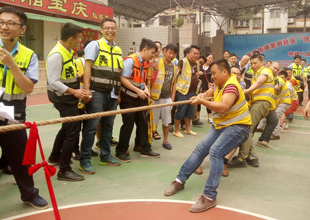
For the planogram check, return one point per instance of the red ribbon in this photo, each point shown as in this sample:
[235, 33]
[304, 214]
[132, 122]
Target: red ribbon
[30, 159]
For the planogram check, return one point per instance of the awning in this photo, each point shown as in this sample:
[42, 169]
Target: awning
[62, 20]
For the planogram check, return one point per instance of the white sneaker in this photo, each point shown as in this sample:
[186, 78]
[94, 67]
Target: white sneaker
[210, 120]
[281, 130]
[285, 126]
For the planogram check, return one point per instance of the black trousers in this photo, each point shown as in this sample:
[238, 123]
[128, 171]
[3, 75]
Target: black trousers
[129, 119]
[272, 122]
[13, 146]
[67, 138]
[301, 94]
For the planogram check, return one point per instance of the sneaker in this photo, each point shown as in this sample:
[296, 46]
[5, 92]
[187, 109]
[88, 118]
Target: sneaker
[114, 141]
[37, 202]
[203, 204]
[149, 153]
[275, 137]
[199, 170]
[191, 132]
[210, 121]
[167, 146]
[225, 172]
[178, 134]
[197, 122]
[252, 161]
[285, 126]
[171, 128]
[97, 146]
[110, 161]
[86, 168]
[264, 144]
[281, 129]
[69, 175]
[174, 188]
[236, 162]
[94, 153]
[123, 157]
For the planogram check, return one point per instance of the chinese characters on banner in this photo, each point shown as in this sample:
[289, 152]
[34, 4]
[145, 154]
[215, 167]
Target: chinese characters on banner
[88, 35]
[276, 47]
[71, 8]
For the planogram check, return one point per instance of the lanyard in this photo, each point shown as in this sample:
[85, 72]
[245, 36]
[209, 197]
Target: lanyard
[5, 68]
[141, 72]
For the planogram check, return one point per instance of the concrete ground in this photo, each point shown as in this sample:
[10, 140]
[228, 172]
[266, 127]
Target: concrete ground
[279, 188]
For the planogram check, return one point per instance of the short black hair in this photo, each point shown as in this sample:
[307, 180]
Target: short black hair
[80, 53]
[86, 42]
[282, 72]
[297, 56]
[270, 61]
[287, 68]
[186, 51]
[22, 16]
[107, 19]
[158, 42]
[69, 30]
[262, 54]
[203, 57]
[148, 44]
[304, 60]
[259, 56]
[194, 47]
[222, 64]
[232, 55]
[226, 51]
[256, 52]
[172, 47]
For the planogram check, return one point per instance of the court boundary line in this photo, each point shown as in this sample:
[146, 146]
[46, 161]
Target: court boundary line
[137, 200]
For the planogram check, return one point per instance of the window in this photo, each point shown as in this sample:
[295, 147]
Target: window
[34, 37]
[274, 31]
[206, 18]
[257, 22]
[274, 14]
[241, 23]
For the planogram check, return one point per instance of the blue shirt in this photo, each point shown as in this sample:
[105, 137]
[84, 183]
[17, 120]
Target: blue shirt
[128, 67]
[92, 52]
[32, 71]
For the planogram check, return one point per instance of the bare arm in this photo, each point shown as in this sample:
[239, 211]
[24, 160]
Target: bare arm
[260, 80]
[86, 79]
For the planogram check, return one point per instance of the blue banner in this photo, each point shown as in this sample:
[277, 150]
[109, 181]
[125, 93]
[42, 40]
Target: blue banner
[276, 47]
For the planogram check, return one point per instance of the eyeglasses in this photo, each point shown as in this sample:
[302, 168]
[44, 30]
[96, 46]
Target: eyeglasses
[109, 28]
[9, 24]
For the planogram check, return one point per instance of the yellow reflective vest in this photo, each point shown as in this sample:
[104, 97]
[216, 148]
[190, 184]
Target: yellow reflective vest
[239, 112]
[184, 79]
[293, 93]
[284, 96]
[68, 77]
[297, 71]
[13, 95]
[158, 84]
[266, 91]
[106, 70]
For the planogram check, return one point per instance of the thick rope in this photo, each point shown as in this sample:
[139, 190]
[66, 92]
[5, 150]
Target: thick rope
[15, 127]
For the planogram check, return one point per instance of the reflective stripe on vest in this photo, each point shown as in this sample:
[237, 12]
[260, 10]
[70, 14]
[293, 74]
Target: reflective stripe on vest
[157, 86]
[284, 96]
[184, 79]
[106, 70]
[266, 91]
[296, 71]
[239, 112]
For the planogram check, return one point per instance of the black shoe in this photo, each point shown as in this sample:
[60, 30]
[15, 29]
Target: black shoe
[56, 161]
[171, 128]
[76, 155]
[94, 153]
[69, 175]
[253, 162]
[236, 162]
[7, 169]
[149, 153]
[38, 202]
[197, 123]
[123, 157]
[114, 141]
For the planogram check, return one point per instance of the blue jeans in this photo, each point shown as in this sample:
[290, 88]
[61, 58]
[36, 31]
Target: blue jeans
[186, 110]
[101, 101]
[217, 143]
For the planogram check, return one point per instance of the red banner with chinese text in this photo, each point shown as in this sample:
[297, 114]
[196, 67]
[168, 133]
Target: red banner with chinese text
[88, 35]
[70, 8]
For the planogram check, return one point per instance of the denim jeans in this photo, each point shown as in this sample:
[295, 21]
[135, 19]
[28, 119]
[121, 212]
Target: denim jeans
[101, 101]
[217, 143]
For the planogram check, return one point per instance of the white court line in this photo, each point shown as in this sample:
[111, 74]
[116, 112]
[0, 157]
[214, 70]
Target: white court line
[303, 126]
[136, 200]
[297, 132]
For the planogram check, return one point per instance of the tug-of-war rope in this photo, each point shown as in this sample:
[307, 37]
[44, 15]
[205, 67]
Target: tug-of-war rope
[49, 171]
